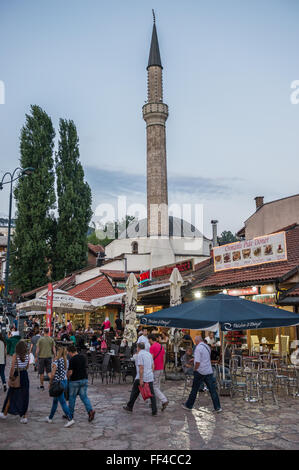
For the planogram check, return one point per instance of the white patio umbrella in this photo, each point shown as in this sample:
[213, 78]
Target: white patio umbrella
[63, 302]
[130, 309]
[176, 282]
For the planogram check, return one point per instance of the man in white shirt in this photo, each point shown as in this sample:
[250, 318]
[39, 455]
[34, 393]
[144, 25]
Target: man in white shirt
[144, 367]
[203, 372]
[144, 339]
[210, 339]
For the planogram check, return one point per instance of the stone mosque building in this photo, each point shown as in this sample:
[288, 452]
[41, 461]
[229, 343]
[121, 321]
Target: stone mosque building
[160, 239]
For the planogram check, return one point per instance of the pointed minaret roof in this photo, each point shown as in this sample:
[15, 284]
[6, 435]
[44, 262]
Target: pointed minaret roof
[154, 56]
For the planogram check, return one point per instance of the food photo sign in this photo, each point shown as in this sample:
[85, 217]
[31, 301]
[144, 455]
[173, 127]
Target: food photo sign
[265, 249]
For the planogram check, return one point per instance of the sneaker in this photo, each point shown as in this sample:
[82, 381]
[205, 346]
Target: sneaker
[48, 420]
[41, 387]
[218, 411]
[126, 408]
[24, 420]
[164, 405]
[3, 416]
[69, 423]
[154, 414]
[186, 407]
[5, 388]
[91, 415]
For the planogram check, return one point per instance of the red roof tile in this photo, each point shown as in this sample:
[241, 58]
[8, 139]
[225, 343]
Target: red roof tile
[94, 288]
[263, 272]
[96, 248]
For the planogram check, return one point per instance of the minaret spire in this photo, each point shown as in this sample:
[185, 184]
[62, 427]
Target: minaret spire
[154, 55]
[155, 114]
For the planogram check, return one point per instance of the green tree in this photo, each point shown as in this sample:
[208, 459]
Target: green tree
[112, 230]
[74, 204]
[93, 239]
[227, 237]
[35, 197]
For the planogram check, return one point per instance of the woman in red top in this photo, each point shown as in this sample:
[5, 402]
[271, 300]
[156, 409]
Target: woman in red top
[106, 324]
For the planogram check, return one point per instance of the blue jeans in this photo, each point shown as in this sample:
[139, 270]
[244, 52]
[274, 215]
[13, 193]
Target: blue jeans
[210, 382]
[78, 387]
[2, 374]
[62, 401]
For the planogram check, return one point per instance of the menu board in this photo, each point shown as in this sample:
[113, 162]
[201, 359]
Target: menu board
[265, 249]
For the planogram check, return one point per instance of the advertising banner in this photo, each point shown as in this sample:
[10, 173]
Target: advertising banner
[49, 306]
[265, 249]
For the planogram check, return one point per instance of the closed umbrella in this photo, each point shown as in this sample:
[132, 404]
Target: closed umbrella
[176, 282]
[130, 310]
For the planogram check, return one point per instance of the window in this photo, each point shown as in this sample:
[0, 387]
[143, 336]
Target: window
[134, 248]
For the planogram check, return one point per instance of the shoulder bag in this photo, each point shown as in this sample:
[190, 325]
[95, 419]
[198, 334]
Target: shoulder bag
[56, 388]
[15, 381]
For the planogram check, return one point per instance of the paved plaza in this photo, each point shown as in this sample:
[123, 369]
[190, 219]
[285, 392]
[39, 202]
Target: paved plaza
[240, 426]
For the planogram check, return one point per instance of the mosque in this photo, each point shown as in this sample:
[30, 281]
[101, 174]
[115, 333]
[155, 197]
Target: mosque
[160, 239]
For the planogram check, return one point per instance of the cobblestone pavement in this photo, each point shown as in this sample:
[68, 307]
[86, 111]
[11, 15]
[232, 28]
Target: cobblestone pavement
[241, 425]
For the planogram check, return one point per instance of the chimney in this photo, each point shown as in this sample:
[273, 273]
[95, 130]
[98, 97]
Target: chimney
[214, 226]
[259, 201]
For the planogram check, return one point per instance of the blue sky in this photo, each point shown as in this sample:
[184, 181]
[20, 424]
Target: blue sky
[232, 132]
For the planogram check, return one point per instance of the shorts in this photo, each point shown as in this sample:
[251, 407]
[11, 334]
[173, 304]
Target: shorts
[44, 364]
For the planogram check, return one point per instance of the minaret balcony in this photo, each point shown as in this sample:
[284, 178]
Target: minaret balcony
[153, 111]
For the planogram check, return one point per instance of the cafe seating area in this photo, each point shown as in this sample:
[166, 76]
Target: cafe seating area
[259, 377]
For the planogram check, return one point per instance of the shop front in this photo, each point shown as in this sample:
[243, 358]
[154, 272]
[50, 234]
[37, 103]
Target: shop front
[262, 282]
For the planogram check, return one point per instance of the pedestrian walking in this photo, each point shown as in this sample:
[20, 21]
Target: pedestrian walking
[203, 373]
[3, 362]
[78, 383]
[17, 399]
[158, 353]
[59, 374]
[145, 367]
[45, 351]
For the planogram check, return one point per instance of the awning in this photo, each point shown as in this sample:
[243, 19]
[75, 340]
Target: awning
[229, 312]
[62, 303]
[118, 297]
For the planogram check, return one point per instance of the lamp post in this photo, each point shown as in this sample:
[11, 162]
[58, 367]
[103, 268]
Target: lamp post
[11, 177]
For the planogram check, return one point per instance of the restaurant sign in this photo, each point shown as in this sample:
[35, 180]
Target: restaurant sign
[165, 271]
[265, 249]
[247, 291]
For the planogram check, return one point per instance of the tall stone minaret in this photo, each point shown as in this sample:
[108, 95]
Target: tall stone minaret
[155, 113]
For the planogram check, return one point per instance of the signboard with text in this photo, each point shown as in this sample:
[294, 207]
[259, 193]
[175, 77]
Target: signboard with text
[266, 249]
[148, 275]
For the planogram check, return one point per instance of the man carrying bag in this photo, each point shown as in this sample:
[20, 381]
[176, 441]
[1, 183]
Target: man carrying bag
[145, 367]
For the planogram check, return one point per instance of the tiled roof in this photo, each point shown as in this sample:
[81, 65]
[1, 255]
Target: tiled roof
[263, 272]
[96, 248]
[61, 284]
[115, 274]
[94, 288]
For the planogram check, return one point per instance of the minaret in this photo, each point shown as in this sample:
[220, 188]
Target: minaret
[155, 113]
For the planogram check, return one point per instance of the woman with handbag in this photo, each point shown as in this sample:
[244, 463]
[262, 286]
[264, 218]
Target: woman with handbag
[58, 385]
[17, 398]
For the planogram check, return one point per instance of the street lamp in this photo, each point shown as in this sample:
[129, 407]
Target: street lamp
[17, 174]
